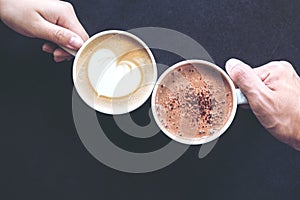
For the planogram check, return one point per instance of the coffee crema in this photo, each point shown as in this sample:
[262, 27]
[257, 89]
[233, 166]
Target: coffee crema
[114, 70]
[193, 101]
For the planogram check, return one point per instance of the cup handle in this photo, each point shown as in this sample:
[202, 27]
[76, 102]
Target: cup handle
[241, 98]
[70, 51]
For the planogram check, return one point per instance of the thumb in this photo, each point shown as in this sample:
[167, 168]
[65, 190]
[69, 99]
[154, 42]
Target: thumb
[60, 35]
[245, 78]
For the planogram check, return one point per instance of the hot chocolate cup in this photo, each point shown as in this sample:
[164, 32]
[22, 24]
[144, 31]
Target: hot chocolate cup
[196, 115]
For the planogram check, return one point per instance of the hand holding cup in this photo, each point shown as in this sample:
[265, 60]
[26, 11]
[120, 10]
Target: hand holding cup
[273, 92]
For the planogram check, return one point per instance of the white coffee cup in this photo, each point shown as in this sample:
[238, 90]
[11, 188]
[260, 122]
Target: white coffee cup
[107, 83]
[237, 98]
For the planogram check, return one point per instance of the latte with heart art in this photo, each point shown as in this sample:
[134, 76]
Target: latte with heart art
[111, 76]
[114, 73]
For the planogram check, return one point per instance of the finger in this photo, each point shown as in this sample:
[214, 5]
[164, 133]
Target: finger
[67, 58]
[262, 72]
[265, 71]
[246, 79]
[270, 74]
[279, 66]
[61, 59]
[58, 52]
[67, 18]
[59, 35]
[49, 48]
[70, 21]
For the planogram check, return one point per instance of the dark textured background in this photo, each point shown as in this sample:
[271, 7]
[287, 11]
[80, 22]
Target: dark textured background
[43, 158]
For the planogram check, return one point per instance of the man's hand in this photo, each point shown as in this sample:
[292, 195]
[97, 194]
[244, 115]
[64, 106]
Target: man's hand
[273, 92]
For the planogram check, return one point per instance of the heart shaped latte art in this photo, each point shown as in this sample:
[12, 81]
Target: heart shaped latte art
[111, 76]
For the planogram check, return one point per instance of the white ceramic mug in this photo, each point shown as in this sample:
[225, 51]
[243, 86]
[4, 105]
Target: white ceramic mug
[237, 98]
[85, 81]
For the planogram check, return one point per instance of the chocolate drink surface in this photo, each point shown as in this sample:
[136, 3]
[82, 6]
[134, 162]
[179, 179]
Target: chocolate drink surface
[193, 101]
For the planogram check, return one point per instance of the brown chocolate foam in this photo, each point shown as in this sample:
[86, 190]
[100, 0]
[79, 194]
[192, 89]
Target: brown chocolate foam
[193, 101]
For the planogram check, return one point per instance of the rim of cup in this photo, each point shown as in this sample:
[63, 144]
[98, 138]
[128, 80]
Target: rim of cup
[137, 39]
[195, 141]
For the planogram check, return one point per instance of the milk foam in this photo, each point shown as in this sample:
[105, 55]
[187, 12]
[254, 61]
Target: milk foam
[110, 77]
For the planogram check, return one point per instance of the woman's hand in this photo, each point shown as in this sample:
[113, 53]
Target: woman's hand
[51, 20]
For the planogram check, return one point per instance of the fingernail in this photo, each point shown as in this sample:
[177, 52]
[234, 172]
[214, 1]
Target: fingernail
[76, 42]
[231, 63]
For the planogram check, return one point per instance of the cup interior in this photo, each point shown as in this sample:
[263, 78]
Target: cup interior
[114, 72]
[174, 118]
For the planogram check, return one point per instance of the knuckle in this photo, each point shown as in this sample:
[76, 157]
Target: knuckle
[280, 67]
[59, 35]
[273, 63]
[67, 5]
[283, 66]
[286, 64]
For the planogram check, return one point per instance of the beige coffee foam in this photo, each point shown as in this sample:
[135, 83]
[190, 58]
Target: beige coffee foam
[124, 47]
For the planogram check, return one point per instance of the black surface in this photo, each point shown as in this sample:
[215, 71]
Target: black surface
[43, 158]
